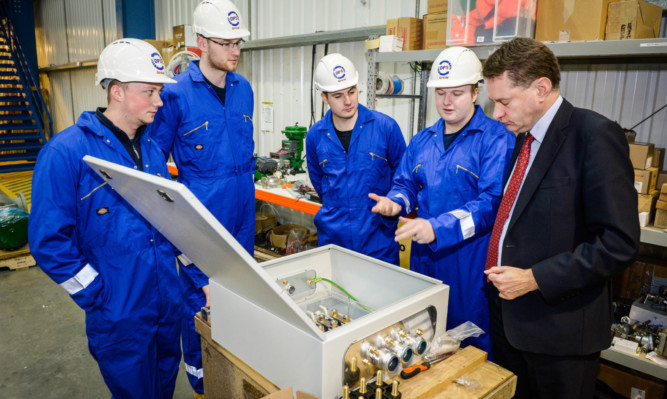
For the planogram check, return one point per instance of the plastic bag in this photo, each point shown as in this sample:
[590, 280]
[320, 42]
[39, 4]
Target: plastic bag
[449, 342]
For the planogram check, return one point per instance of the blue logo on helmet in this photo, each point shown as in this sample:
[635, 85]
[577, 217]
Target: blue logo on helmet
[339, 72]
[233, 18]
[444, 68]
[157, 61]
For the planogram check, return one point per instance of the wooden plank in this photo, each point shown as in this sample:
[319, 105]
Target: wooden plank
[225, 375]
[17, 252]
[18, 259]
[488, 381]
[429, 383]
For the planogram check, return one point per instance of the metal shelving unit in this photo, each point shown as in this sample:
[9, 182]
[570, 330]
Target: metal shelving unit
[607, 51]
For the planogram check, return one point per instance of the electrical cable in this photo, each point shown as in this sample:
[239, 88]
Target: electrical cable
[312, 94]
[326, 52]
[315, 280]
[645, 119]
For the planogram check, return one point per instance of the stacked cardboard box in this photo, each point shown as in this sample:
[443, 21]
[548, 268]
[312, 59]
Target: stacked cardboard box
[643, 157]
[564, 21]
[410, 29]
[633, 19]
[661, 209]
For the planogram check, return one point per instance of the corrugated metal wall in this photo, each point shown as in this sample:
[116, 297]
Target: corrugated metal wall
[70, 31]
[624, 92]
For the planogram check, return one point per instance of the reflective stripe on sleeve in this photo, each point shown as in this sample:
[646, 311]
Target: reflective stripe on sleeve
[466, 221]
[82, 280]
[406, 202]
[184, 260]
[193, 371]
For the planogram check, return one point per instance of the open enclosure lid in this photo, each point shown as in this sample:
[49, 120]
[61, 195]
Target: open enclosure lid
[182, 219]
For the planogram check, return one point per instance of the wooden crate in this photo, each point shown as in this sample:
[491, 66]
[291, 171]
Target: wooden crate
[17, 259]
[226, 376]
[487, 380]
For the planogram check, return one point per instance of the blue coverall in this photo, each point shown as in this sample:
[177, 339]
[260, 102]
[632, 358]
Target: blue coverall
[112, 262]
[212, 145]
[458, 191]
[344, 179]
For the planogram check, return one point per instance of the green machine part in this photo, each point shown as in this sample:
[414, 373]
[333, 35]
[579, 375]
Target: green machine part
[13, 228]
[296, 135]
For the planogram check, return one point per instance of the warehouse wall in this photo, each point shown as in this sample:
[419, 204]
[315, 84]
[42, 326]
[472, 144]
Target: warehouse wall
[71, 30]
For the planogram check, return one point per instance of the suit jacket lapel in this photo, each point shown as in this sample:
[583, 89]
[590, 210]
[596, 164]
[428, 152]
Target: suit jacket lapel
[556, 134]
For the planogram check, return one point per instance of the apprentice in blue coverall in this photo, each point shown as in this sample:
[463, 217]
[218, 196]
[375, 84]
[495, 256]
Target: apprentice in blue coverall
[88, 239]
[351, 152]
[206, 124]
[452, 175]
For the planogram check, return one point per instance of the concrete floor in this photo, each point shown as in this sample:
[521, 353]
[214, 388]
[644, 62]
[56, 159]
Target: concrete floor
[43, 345]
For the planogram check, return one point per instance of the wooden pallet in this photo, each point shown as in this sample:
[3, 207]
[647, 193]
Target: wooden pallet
[17, 259]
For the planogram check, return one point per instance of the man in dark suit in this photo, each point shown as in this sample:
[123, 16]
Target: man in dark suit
[567, 223]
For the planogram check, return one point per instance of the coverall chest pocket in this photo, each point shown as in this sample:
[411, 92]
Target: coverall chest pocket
[241, 134]
[196, 139]
[378, 170]
[466, 176]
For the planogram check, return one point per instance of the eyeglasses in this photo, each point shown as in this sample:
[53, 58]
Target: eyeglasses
[228, 45]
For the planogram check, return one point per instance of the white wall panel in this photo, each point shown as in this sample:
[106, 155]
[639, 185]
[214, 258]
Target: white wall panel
[60, 100]
[85, 29]
[170, 13]
[85, 95]
[276, 18]
[109, 20]
[50, 33]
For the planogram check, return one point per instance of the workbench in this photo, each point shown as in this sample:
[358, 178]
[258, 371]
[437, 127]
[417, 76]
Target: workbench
[226, 376]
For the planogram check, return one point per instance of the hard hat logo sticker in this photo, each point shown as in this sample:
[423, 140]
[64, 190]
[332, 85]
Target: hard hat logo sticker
[339, 72]
[233, 18]
[444, 68]
[157, 61]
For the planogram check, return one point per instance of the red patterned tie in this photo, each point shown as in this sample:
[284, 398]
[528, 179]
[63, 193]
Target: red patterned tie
[508, 200]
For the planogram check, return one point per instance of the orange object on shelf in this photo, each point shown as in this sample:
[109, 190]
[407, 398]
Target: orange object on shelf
[292, 203]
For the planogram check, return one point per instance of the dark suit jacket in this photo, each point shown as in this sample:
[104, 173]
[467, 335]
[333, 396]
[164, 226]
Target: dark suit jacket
[575, 224]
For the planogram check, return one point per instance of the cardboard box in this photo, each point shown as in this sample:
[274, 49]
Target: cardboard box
[436, 6]
[410, 29]
[662, 179]
[573, 20]
[633, 19]
[390, 43]
[435, 30]
[663, 192]
[660, 214]
[645, 180]
[658, 159]
[183, 36]
[646, 205]
[641, 155]
[646, 202]
[392, 26]
[630, 385]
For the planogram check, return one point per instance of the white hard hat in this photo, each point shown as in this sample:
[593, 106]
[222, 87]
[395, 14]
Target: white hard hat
[219, 19]
[454, 67]
[335, 72]
[131, 60]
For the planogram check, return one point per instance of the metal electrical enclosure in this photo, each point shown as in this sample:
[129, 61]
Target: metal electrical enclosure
[264, 313]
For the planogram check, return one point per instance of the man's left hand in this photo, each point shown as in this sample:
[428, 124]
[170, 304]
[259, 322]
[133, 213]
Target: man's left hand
[420, 230]
[512, 282]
